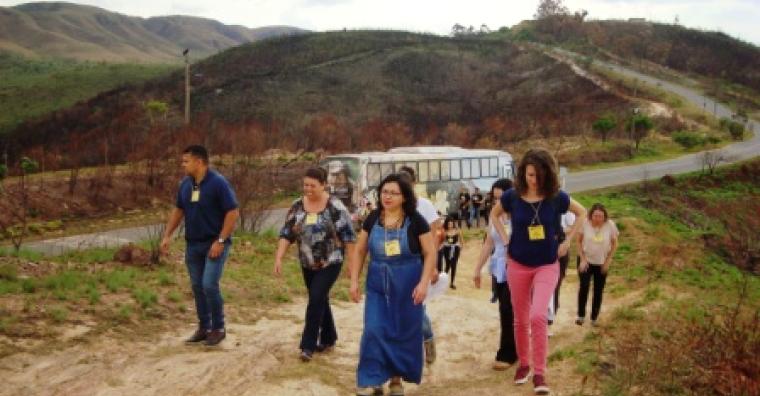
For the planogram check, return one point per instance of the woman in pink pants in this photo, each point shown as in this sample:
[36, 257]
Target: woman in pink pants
[534, 206]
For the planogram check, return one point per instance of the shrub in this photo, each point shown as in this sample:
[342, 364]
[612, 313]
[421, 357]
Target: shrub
[689, 139]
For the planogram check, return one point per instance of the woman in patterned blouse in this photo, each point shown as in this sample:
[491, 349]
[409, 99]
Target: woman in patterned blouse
[321, 227]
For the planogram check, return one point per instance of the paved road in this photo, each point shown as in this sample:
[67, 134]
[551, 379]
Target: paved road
[577, 181]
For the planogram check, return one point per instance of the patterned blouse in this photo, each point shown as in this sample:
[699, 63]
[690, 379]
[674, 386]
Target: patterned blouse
[321, 237]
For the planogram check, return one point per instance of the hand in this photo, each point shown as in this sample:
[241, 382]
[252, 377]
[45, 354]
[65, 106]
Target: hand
[476, 279]
[165, 245]
[354, 293]
[216, 250]
[277, 267]
[605, 267]
[563, 248]
[583, 266]
[420, 292]
[435, 277]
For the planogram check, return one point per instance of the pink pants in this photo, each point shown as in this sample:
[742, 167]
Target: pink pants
[531, 289]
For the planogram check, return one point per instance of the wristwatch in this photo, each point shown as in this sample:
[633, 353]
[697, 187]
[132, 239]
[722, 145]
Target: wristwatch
[220, 240]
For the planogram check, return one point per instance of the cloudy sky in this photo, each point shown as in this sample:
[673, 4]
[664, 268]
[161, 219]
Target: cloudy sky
[738, 18]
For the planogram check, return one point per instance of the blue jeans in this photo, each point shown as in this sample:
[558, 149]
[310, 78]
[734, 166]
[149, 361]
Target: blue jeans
[427, 327]
[474, 215]
[204, 277]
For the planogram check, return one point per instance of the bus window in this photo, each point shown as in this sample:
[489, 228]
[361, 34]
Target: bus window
[412, 165]
[455, 170]
[445, 170]
[494, 167]
[423, 174]
[466, 169]
[475, 168]
[435, 171]
[373, 175]
[397, 166]
[385, 170]
[484, 169]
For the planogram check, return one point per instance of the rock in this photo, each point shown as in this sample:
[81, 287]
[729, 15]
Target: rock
[133, 255]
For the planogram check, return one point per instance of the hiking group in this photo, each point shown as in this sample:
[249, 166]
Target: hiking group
[530, 224]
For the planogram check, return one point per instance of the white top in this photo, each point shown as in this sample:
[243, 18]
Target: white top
[427, 210]
[498, 261]
[597, 242]
[568, 219]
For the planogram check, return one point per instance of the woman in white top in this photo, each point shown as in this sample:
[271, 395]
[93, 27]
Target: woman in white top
[495, 252]
[597, 244]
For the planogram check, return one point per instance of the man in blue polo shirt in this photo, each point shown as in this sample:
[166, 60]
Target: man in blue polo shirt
[208, 204]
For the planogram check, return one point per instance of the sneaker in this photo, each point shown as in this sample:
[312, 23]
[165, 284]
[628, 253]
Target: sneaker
[396, 389]
[579, 321]
[539, 385]
[321, 348]
[522, 375]
[306, 355]
[214, 337]
[369, 391]
[429, 351]
[501, 366]
[198, 336]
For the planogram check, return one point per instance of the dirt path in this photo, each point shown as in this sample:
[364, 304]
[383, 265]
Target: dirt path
[261, 358]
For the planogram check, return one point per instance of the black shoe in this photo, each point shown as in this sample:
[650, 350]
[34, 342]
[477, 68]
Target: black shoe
[215, 337]
[324, 348]
[453, 287]
[198, 336]
[306, 355]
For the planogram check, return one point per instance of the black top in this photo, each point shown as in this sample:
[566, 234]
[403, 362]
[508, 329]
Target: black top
[477, 199]
[464, 201]
[451, 239]
[417, 227]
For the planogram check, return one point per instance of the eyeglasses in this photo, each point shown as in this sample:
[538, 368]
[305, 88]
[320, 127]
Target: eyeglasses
[390, 193]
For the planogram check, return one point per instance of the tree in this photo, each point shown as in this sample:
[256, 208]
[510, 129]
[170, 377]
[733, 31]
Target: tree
[457, 30]
[550, 8]
[603, 126]
[639, 126]
[709, 160]
[15, 205]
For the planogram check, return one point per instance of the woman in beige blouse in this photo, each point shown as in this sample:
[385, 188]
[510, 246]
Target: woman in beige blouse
[597, 243]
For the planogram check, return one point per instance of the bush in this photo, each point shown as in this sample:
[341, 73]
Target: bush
[689, 139]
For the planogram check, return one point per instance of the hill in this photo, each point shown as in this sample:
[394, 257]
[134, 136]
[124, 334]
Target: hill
[708, 53]
[354, 90]
[81, 32]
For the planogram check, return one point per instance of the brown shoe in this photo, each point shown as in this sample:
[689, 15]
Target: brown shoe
[215, 337]
[198, 336]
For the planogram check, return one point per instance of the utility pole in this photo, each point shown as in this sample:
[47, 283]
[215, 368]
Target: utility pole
[187, 85]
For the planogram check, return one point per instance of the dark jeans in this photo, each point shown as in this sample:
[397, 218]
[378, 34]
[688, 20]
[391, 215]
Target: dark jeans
[464, 214]
[204, 277]
[562, 270]
[451, 260]
[594, 271]
[319, 327]
[507, 351]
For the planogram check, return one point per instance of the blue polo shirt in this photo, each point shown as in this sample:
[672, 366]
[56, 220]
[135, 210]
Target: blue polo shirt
[521, 248]
[204, 219]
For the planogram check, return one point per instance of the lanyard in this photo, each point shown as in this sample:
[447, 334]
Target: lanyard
[536, 209]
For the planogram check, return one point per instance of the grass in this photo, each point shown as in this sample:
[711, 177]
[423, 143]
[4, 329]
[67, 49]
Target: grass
[32, 88]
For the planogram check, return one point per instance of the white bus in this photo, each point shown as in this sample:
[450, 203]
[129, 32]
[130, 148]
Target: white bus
[441, 173]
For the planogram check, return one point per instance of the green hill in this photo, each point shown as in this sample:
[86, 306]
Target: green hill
[65, 30]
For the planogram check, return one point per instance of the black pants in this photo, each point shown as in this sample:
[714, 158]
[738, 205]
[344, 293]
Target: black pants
[562, 270]
[319, 326]
[439, 263]
[507, 351]
[594, 271]
[464, 214]
[451, 258]
[486, 212]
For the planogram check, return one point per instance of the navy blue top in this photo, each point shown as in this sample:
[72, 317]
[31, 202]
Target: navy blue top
[204, 219]
[521, 248]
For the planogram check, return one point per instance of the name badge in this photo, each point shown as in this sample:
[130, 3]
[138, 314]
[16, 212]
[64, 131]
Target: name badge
[195, 196]
[536, 233]
[597, 237]
[311, 218]
[392, 248]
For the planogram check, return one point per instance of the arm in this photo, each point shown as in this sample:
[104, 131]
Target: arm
[282, 247]
[496, 212]
[584, 263]
[580, 218]
[171, 225]
[230, 220]
[355, 264]
[430, 255]
[608, 260]
[435, 230]
[485, 253]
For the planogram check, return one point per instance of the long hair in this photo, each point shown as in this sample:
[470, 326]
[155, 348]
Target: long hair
[546, 173]
[409, 205]
[449, 222]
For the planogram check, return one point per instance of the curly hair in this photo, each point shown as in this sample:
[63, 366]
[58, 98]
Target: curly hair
[546, 173]
[409, 205]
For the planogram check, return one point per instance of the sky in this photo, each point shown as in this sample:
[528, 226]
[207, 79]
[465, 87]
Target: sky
[738, 18]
